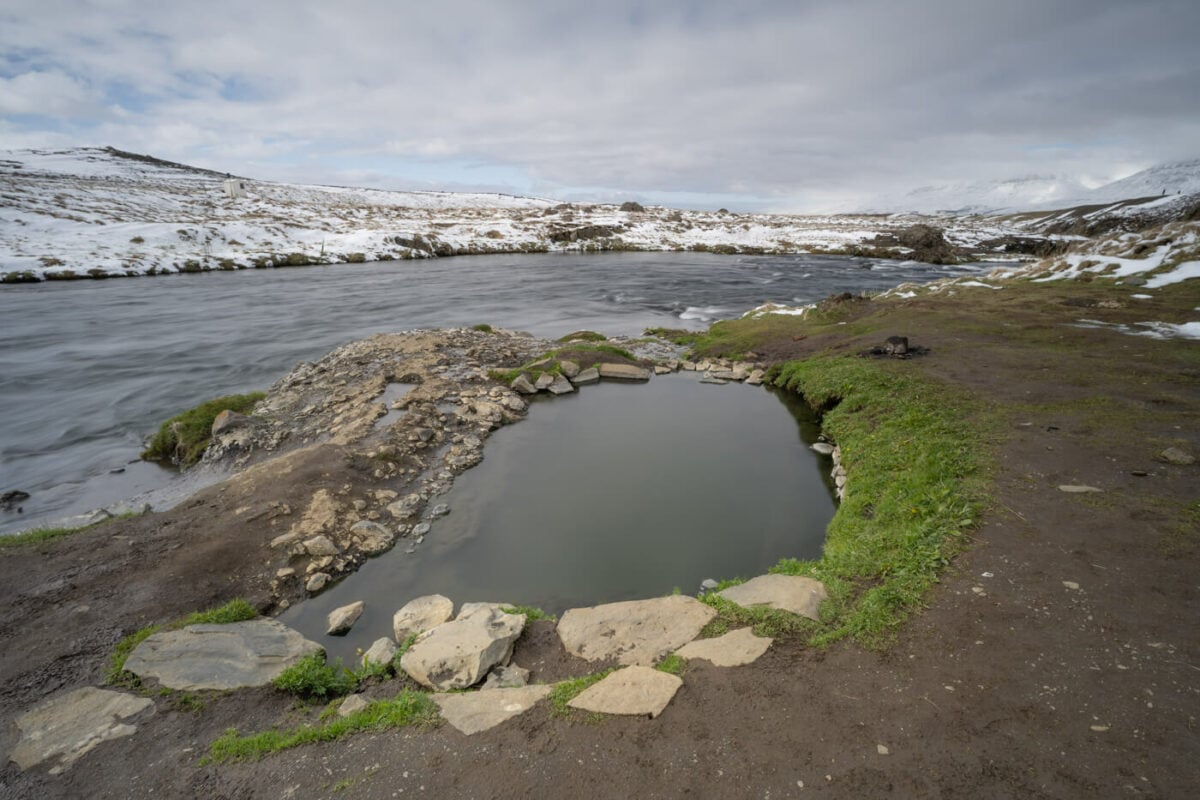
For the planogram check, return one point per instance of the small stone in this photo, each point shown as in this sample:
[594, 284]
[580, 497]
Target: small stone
[321, 546]
[560, 386]
[708, 585]
[508, 676]
[440, 510]
[1072, 585]
[317, 582]
[1173, 455]
[569, 368]
[756, 378]
[421, 614]
[352, 705]
[342, 619]
[421, 528]
[587, 376]
[544, 381]
[660, 369]
[1078, 489]
[286, 572]
[881, 749]
[824, 448]
[521, 384]
[381, 652]
[1099, 728]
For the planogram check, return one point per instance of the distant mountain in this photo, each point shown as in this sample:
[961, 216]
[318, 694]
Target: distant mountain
[1043, 192]
[1179, 177]
[984, 196]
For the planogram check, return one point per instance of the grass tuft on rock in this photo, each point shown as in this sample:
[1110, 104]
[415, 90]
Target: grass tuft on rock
[183, 438]
[407, 708]
[672, 664]
[531, 612]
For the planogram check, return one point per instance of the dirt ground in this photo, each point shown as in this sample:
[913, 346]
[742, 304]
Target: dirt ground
[1059, 658]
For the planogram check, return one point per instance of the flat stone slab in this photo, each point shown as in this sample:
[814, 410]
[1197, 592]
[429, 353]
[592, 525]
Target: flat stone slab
[731, 650]
[69, 725]
[623, 372]
[229, 656]
[421, 614]
[459, 654]
[634, 631]
[472, 712]
[587, 376]
[633, 690]
[792, 593]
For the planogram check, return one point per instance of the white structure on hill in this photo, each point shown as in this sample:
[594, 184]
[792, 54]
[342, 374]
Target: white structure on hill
[234, 188]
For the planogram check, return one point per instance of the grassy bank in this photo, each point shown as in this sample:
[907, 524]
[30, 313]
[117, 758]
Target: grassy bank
[916, 452]
[916, 459]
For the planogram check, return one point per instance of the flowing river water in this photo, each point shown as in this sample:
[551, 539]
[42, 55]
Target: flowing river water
[89, 369]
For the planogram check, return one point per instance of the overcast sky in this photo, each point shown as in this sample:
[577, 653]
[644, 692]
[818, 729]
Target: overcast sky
[787, 105]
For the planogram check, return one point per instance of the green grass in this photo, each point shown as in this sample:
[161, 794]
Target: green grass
[531, 612]
[311, 677]
[765, 621]
[115, 674]
[407, 708]
[916, 458]
[566, 691]
[39, 535]
[183, 438]
[583, 336]
[673, 664]
[482, 327]
[549, 362]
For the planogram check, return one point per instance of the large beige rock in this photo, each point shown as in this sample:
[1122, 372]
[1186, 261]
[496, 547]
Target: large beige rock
[731, 650]
[635, 631]
[623, 372]
[792, 593]
[418, 616]
[472, 712]
[633, 690]
[380, 653]
[458, 654]
[251, 653]
[69, 725]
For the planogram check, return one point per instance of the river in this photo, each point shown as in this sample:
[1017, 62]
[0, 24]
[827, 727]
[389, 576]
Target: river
[89, 369]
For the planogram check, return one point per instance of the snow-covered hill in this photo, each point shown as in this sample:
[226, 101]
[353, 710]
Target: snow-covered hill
[100, 212]
[1044, 192]
[980, 197]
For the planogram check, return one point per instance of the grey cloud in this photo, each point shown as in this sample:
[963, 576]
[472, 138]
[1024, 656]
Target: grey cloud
[792, 103]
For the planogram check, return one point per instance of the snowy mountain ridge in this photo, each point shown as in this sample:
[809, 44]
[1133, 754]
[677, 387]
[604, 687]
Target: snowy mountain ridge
[1043, 192]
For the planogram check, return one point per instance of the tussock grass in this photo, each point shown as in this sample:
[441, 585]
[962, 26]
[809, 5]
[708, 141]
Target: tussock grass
[183, 438]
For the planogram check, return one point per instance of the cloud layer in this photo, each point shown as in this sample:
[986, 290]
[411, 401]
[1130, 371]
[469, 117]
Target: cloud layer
[796, 105]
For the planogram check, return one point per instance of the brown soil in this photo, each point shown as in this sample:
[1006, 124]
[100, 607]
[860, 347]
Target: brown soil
[1010, 684]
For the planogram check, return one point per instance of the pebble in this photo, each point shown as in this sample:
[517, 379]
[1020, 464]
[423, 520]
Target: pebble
[1070, 584]
[881, 749]
[1078, 489]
